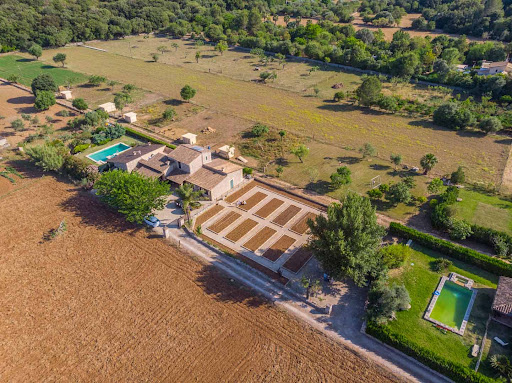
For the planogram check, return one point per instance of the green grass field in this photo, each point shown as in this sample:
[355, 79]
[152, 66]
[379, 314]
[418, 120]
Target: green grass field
[28, 69]
[485, 210]
[421, 281]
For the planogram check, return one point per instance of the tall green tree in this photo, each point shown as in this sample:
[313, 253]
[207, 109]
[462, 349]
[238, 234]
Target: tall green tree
[187, 92]
[132, 194]
[347, 240]
[35, 50]
[368, 92]
[44, 100]
[43, 82]
[300, 151]
[60, 58]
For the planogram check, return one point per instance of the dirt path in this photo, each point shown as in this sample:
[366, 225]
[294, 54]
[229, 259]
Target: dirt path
[108, 301]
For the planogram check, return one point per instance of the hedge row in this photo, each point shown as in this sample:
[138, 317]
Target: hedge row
[452, 370]
[486, 235]
[138, 134]
[485, 262]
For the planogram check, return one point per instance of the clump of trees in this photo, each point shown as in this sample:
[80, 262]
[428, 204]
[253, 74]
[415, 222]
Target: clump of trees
[132, 194]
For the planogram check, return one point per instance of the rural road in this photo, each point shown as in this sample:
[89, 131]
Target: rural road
[342, 328]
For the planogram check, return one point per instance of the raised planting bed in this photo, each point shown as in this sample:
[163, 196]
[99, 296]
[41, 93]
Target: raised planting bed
[285, 216]
[224, 222]
[269, 208]
[278, 248]
[259, 238]
[239, 193]
[301, 226]
[208, 214]
[253, 200]
[298, 260]
[241, 230]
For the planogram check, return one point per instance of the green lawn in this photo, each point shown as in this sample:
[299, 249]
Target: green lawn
[28, 69]
[485, 210]
[421, 282]
[124, 139]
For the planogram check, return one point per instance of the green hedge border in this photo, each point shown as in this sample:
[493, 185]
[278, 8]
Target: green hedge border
[135, 133]
[485, 262]
[452, 370]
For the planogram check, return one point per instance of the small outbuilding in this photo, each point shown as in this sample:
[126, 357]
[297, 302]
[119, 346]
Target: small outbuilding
[108, 107]
[502, 305]
[66, 94]
[189, 138]
[3, 142]
[130, 117]
[226, 152]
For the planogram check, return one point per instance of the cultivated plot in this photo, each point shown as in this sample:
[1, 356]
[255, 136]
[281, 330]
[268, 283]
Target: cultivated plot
[259, 238]
[224, 222]
[278, 248]
[301, 226]
[298, 259]
[253, 200]
[283, 218]
[241, 230]
[269, 208]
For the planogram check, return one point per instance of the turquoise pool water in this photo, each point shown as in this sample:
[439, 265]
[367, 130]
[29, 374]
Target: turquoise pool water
[104, 154]
[451, 306]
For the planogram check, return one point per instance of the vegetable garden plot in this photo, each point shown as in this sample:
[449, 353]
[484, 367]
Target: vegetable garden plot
[224, 222]
[278, 248]
[253, 200]
[239, 193]
[290, 212]
[301, 226]
[269, 208]
[298, 260]
[210, 213]
[241, 230]
[259, 238]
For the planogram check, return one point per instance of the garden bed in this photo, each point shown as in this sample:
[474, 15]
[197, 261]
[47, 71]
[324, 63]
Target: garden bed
[224, 222]
[290, 212]
[208, 214]
[301, 226]
[253, 200]
[259, 238]
[239, 193]
[269, 208]
[241, 230]
[298, 260]
[278, 248]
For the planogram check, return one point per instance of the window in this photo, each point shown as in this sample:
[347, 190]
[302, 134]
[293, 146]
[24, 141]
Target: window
[231, 184]
[179, 164]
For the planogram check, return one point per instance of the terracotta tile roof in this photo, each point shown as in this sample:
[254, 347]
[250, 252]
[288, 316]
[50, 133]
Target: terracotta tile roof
[184, 154]
[206, 179]
[158, 162]
[503, 298]
[135, 153]
[223, 166]
[148, 172]
[177, 176]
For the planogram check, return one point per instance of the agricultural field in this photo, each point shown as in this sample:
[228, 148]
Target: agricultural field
[104, 298]
[420, 280]
[338, 125]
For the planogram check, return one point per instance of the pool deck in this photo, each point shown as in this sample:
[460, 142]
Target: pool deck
[452, 277]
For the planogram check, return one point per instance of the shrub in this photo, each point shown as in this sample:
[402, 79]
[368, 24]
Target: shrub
[43, 82]
[450, 195]
[341, 177]
[80, 104]
[18, 124]
[338, 96]
[259, 130]
[394, 256]
[47, 157]
[421, 199]
[384, 188]
[441, 264]
[75, 167]
[399, 192]
[384, 301]
[459, 229]
[458, 176]
[247, 171]
[80, 148]
[490, 125]
[491, 264]
[63, 113]
[44, 100]
[187, 92]
[169, 114]
[500, 241]
[374, 194]
[452, 370]
[451, 115]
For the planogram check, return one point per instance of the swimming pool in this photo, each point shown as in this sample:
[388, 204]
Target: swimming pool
[450, 306]
[101, 156]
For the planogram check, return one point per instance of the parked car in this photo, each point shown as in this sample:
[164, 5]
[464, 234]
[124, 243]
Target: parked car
[152, 221]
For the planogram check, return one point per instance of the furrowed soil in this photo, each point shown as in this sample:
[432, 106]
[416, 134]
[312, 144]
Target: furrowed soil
[107, 301]
[338, 124]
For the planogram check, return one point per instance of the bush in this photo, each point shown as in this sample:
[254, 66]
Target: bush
[490, 264]
[490, 125]
[341, 177]
[80, 104]
[80, 148]
[18, 124]
[43, 82]
[441, 264]
[459, 229]
[247, 171]
[394, 256]
[451, 115]
[384, 301]
[374, 194]
[63, 113]
[44, 100]
[75, 167]
[421, 199]
[452, 370]
[501, 242]
[338, 96]
[458, 176]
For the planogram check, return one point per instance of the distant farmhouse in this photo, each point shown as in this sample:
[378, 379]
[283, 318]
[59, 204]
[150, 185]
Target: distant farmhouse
[489, 68]
[186, 164]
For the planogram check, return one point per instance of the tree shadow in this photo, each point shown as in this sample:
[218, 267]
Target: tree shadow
[173, 102]
[379, 167]
[320, 186]
[92, 212]
[349, 160]
[223, 289]
[22, 100]
[25, 60]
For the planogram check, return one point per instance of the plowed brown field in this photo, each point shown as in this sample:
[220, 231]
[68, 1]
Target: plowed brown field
[106, 301]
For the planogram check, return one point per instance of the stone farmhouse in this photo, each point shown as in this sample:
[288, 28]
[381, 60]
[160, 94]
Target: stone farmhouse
[490, 68]
[186, 164]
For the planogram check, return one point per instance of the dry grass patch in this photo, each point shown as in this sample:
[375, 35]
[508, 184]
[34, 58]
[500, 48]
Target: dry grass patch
[259, 238]
[278, 248]
[241, 230]
[285, 216]
[224, 222]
